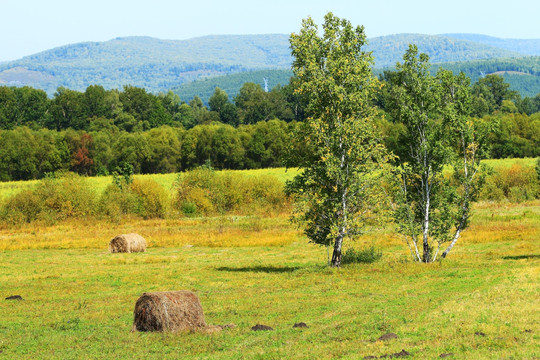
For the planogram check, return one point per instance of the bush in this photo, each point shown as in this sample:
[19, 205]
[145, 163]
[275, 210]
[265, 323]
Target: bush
[205, 192]
[516, 183]
[152, 199]
[69, 196]
[193, 192]
[364, 256]
[117, 202]
[52, 200]
[145, 198]
[22, 207]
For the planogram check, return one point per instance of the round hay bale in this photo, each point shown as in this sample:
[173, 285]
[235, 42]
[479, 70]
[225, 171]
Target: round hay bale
[127, 243]
[169, 311]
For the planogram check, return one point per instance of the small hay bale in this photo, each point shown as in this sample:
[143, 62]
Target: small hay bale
[127, 243]
[169, 311]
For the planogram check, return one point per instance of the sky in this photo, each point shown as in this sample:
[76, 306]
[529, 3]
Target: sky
[31, 26]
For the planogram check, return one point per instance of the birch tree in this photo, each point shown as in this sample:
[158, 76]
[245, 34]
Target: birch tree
[434, 207]
[336, 190]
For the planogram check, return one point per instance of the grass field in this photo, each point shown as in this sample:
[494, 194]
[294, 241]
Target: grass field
[480, 303]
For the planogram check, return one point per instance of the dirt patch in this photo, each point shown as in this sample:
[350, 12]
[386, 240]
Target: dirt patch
[402, 353]
[260, 327]
[479, 333]
[388, 336]
[442, 356]
[14, 297]
[300, 325]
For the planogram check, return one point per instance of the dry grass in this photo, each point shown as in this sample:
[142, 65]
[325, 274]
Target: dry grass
[227, 231]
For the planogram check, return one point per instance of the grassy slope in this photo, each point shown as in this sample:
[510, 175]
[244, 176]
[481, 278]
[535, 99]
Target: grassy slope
[79, 302]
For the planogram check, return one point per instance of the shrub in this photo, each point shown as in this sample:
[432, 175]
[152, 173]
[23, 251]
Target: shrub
[516, 183]
[52, 200]
[69, 196]
[268, 191]
[193, 192]
[116, 202]
[22, 207]
[204, 192]
[367, 255]
[152, 199]
[145, 198]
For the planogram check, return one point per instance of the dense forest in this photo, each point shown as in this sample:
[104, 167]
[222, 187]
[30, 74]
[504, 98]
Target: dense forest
[522, 74]
[98, 131]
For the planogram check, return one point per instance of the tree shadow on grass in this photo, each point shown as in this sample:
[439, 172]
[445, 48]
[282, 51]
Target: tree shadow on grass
[519, 257]
[259, 268]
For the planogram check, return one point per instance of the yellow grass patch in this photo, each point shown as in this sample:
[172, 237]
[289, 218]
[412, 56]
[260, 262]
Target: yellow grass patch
[227, 231]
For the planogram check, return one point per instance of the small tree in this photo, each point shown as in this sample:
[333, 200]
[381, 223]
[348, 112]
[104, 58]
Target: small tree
[335, 191]
[433, 207]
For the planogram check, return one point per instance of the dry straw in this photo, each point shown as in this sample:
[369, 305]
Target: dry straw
[170, 311]
[127, 243]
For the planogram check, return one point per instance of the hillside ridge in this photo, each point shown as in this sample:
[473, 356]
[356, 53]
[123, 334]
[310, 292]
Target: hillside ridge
[159, 65]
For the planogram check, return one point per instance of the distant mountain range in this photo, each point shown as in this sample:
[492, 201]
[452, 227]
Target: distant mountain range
[160, 65]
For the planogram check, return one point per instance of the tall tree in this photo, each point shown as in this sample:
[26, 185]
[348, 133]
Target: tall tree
[219, 102]
[67, 110]
[433, 210]
[490, 92]
[336, 189]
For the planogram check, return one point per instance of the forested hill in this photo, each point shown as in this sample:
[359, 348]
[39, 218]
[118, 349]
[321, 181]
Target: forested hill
[388, 50]
[523, 46]
[523, 75]
[159, 65]
[154, 64]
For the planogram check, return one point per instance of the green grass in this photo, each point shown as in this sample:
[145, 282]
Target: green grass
[506, 163]
[79, 301]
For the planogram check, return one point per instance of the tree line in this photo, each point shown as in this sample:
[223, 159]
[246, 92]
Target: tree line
[32, 154]
[134, 109]
[95, 131]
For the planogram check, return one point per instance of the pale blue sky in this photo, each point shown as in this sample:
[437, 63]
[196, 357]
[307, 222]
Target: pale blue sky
[30, 26]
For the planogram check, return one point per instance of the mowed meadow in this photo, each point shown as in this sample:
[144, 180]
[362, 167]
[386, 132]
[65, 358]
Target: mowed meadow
[249, 265]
